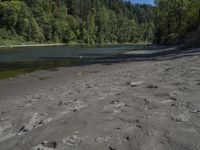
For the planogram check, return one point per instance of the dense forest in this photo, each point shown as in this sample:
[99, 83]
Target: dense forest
[100, 21]
[78, 21]
[177, 21]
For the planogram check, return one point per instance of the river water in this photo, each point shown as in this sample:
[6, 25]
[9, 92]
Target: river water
[28, 59]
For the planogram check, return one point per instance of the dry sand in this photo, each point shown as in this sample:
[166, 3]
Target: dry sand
[145, 105]
[31, 45]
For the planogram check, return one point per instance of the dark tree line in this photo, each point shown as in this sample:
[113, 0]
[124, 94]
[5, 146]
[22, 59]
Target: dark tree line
[80, 21]
[177, 21]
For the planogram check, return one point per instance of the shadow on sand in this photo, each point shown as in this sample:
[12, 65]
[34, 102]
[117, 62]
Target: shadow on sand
[158, 55]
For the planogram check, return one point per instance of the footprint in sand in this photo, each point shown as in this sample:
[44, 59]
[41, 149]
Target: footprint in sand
[36, 121]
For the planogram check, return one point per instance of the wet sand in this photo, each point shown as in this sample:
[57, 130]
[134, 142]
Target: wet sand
[139, 105]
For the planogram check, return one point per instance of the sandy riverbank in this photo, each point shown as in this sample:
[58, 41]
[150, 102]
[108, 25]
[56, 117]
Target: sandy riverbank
[137, 105]
[31, 45]
[69, 44]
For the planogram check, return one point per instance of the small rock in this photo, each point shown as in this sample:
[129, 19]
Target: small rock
[31, 100]
[120, 105]
[151, 86]
[102, 139]
[175, 104]
[167, 101]
[139, 126]
[128, 138]
[191, 107]
[60, 103]
[87, 85]
[195, 111]
[46, 146]
[118, 94]
[183, 117]
[111, 148]
[173, 96]
[114, 107]
[74, 140]
[146, 101]
[114, 102]
[134, 84]
[3, 112]
[76, 132]
[51, 144]
[79, 105]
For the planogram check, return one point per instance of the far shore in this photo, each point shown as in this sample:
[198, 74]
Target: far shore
[61, 44]
[32, 45]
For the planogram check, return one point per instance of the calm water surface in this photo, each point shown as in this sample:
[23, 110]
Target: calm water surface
[23, 60]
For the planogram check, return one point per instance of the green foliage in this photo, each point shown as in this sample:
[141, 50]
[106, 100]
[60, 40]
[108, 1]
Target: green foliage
[9, 13]
[176, 19]
[88, 21]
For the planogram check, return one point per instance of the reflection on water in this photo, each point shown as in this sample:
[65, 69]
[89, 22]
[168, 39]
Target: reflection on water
[12, 69]
[24, 60]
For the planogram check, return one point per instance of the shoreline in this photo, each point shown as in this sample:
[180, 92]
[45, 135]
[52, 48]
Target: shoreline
[64, 44]
[25, 68]
[30, 45]
[133, 55]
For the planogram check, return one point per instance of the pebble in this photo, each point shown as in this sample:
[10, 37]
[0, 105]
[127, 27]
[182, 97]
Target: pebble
[74, 140]
[173, 96]
[182, 117]
[102, 139]
[134, 84]
[46, 146]
[151, 86]
[111, 148]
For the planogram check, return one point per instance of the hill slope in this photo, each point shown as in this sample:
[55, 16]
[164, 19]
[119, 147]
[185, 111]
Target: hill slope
[88, 21]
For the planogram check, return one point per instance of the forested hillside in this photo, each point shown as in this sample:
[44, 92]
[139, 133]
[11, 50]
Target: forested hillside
[79, 21]
[177, 21]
